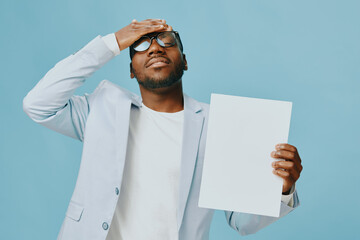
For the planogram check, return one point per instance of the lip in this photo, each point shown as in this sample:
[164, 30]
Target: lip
[157, 62]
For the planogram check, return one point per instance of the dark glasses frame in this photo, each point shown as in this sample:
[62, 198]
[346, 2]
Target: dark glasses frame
[157, 40]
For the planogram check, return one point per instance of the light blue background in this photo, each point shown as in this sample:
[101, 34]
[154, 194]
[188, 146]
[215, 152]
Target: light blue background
[305, 51]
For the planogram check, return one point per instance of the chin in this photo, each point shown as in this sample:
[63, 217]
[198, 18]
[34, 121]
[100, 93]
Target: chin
[159, 79]
[156, 83]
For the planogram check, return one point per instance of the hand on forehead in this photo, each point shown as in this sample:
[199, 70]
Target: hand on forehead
[153, 26]
[127, 35]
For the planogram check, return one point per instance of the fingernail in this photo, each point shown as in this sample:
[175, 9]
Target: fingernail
[273, 164]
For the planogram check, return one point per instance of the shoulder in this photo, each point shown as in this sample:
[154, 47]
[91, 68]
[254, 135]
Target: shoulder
[196, 105]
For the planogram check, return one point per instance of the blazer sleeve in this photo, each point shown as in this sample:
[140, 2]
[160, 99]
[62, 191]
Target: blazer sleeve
[52, 102]
[245, 223]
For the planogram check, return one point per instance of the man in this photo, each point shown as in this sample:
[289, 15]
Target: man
[142, 158]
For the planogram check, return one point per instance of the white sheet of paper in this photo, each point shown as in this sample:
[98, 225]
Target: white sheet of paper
[237, 173]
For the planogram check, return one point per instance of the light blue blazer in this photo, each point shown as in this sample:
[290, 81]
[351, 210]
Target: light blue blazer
[101, 121]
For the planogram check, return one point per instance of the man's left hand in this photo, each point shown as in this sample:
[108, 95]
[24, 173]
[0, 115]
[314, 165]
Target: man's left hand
[290, 168]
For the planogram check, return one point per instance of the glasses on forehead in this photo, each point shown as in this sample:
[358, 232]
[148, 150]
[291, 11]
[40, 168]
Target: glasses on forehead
[164, 39]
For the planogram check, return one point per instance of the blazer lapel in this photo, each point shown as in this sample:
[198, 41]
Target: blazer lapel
[123, 108]
[193, 124]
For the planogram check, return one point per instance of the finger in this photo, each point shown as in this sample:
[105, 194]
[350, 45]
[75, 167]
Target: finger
[282, 173]
[288, 147]
[169, 28]
[153, 22]
[147, 24]
[156, 28]
[288, 156]
[151, 27]
[162, 28]
[287, 179]
[283, 154]
[288, 166]
[285, 146]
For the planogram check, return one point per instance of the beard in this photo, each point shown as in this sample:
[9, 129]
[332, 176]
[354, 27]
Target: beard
[155, 83]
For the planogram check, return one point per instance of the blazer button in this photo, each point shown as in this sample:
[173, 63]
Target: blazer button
[105, 226]
[117, 191]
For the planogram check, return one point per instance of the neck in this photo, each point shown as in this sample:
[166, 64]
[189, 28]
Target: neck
[169, 99]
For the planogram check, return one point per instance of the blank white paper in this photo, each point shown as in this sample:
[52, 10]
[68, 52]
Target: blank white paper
[237, 173]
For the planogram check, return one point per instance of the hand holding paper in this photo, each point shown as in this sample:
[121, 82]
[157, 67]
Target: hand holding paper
[289, 169]
[237, 172]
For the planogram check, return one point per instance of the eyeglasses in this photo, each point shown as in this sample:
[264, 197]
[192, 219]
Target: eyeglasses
[164, 39]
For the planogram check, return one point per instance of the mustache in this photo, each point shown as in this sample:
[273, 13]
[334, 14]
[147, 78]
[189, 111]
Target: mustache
[159, 57]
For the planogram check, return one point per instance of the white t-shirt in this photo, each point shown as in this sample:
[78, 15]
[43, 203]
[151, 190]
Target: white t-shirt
[149, 194]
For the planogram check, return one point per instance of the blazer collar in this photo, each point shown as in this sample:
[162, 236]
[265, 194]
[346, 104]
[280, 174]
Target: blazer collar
[135, 99]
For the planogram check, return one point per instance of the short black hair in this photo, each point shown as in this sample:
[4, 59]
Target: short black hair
[132, 51]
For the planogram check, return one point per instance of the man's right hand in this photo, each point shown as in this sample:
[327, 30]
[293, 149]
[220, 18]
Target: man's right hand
[126, 36]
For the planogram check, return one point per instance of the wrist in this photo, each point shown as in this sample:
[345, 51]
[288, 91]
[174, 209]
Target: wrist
[117, 40]
[287, 192]
[111, 43]
[290, 191]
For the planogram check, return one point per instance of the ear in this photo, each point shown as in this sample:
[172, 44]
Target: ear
[185, 62]
[131, 71]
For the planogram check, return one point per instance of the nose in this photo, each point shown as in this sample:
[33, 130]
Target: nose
[155, 48]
